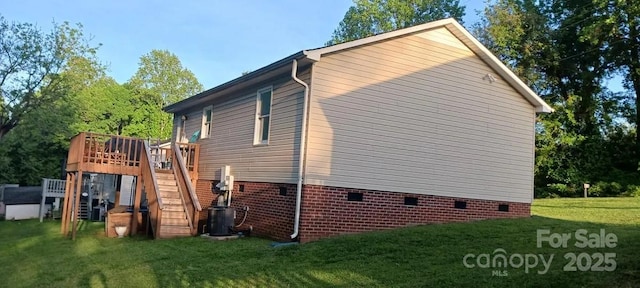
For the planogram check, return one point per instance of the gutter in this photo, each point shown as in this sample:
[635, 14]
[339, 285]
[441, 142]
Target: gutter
[303, 139]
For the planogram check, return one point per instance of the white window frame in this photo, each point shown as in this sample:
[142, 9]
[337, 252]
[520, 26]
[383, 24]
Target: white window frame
[257, 135]
[206, 133]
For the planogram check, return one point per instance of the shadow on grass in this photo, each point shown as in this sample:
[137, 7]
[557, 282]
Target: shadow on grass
[575, 206]
[428, 255]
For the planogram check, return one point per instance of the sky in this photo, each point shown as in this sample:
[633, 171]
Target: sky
[217, 39]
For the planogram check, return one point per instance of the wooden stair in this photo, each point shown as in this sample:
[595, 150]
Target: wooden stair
[83, 212]
[174, 216]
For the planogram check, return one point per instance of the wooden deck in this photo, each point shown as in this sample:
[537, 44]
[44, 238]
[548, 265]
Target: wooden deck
[118, 155]
[111, 154]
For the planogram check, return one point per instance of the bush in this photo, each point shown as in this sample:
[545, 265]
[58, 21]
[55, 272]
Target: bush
[541, 192]
[632, 191]
[562, 190]
[606, 189]
[598, 189]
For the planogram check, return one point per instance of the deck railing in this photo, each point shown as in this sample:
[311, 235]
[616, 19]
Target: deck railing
[163, 160]
[101, 153]
[51, 188]
[150, 186]
[187, 192]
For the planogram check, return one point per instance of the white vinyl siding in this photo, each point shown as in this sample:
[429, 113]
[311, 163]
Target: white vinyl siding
[178, 134]
[413, 114]
[233, 134]
[192, 124]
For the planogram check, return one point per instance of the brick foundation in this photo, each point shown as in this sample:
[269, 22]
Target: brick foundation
[270, 214]
[326, 211]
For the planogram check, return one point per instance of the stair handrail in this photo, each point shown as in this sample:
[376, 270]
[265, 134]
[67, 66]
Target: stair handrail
[147, 150]
[151, 189]
[190, 211]
[185, 174]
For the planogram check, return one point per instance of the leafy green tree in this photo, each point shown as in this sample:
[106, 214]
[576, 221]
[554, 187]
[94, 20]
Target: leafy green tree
[36, 148]
[147, 116]
[518, 33]
[104, 107]
[614, 27]
[30, 63]
[162, 75]
[587, 138]
[369, 17]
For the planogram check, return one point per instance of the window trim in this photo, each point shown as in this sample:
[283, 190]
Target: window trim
[257, 129]
[204, 119]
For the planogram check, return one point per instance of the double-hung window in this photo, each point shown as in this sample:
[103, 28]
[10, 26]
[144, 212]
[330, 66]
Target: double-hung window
[206, 122]
[263, 116]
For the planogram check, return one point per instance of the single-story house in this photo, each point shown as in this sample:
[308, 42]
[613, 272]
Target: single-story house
[419, 125]
[24, 202]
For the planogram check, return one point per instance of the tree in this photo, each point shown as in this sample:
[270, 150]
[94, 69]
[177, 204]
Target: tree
[161, 73]
[30, 61]
[587, 138]
[614, 28]
[369, 17]
[36, 148]
[104, 107]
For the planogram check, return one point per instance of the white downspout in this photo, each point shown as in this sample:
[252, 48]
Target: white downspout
[303, 132]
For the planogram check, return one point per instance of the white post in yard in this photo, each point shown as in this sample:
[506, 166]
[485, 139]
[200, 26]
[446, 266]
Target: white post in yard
[45, 184]
[586, 187]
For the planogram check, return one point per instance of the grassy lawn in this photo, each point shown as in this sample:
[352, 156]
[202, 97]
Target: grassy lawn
[35, 255]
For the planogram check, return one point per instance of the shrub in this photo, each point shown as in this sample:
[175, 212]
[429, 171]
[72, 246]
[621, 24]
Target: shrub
[632, 191]
[598, 189]
[562, 190]
[541, 192]
[612, 189]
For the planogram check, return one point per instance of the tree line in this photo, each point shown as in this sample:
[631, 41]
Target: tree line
[567, 51]
[53, 86]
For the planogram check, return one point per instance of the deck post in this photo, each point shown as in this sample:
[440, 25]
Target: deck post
[136, 205]
[65, 209]
[76, 207]
[196, 162]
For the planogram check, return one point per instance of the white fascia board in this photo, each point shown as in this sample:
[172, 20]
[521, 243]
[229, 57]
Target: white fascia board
[464, 36]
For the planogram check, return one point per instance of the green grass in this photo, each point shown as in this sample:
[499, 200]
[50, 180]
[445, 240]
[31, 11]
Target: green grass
[35, 255]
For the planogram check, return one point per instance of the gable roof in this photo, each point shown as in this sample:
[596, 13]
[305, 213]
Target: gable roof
[313, 55]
